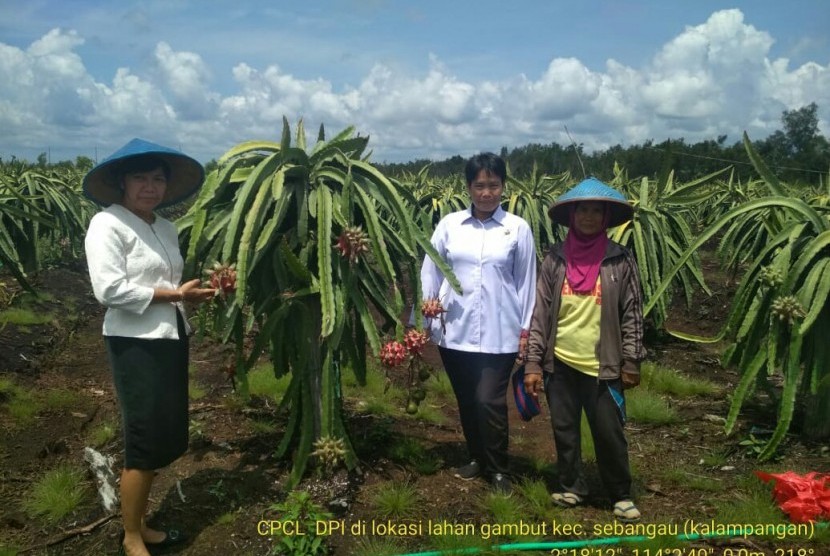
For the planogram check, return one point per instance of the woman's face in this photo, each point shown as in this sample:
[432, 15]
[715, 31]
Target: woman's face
[485, 191]
[589, 217]
[144, 191]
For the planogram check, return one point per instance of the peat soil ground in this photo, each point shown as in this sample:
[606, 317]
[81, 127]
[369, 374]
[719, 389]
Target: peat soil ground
[222, 490]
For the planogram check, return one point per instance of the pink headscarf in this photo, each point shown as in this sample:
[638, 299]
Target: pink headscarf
[584, 254]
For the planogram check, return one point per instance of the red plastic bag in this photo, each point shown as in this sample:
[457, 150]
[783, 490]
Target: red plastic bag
[802, 497]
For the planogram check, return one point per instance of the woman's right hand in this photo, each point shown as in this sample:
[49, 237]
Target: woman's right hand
[192, 293]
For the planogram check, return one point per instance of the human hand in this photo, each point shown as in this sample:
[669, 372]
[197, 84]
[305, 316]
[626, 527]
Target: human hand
[192, 293]
[630, 380]
[533, 382]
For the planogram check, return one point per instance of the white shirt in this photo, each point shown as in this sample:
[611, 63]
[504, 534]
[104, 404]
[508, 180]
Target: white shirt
[495, 261]
[128, 258]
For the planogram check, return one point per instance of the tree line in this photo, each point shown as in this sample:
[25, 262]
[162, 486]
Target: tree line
[798, 154]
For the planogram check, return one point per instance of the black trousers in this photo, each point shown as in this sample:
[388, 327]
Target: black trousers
[480, 381]
[569, 392]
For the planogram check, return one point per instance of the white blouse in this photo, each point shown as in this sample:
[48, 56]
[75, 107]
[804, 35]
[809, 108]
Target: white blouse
[128, 258]
[495, 261]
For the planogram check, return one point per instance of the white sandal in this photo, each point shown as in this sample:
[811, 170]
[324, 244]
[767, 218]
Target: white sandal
[566, 499]
[626, 511]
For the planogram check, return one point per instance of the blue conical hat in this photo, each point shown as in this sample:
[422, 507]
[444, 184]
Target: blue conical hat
[592, 189]
[186, 174]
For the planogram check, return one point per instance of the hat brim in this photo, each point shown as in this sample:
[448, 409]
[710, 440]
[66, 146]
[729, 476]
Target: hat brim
[621, 212]
[527, 405]
[186, 177]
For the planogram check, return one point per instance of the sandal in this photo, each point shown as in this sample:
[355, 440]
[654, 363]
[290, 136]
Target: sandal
[626, 511]
[566, 499]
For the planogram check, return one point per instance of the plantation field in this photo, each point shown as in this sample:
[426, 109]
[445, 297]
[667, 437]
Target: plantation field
[226, 493]
[302, 443]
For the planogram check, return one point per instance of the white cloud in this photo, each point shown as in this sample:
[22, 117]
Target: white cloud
[187, 78]
[711, 79]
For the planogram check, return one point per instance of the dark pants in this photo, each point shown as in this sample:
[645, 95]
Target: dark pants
[569, 392]
[479, 381]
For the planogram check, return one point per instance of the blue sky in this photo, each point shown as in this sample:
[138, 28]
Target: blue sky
[424, 79]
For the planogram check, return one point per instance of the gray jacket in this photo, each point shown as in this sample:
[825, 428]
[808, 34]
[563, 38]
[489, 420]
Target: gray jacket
[620, 345]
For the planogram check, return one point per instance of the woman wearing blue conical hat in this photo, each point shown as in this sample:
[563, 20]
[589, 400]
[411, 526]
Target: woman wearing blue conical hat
[135, 267]
[586, 341]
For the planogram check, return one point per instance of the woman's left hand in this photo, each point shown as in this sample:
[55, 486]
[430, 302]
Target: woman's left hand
[192, 293]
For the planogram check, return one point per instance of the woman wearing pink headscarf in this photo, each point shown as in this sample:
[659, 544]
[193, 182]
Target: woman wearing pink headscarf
[586, 341]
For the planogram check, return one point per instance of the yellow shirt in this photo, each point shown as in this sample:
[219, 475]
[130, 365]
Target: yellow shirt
[577, 333]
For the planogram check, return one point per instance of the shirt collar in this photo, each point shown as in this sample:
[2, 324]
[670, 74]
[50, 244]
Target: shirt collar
[498, 215]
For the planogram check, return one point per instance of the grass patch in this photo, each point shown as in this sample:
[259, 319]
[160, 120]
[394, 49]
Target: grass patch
[27, 299]
[380, 397]
[377, 396]
[379, 546]
[196, 391]
[751, 502]
[261, 426]
[21, 404]
[645, 406]
[536, 497]
[429, 413]
[439, 386]
[262, 382]
[7, 388]
[408, 451]
[505, 513]
[56, 494]
[450, 542]
[685, 477]
[669, 381]
[822, 535]
[60, 399]
[102, 434]
[8, 550]
[195, 430]
[715, 458]
[227, 518]
[501, 508]
[20, 316]
[587, 441]
[541, 465]
[396, 500]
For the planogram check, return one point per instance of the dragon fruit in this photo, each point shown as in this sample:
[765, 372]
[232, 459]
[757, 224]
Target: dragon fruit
[392, 354]
[352, 243]
[431, 308]
[415, 341]
[222, 278]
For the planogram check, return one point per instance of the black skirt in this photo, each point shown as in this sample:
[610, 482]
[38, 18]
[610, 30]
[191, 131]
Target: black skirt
[151, 383]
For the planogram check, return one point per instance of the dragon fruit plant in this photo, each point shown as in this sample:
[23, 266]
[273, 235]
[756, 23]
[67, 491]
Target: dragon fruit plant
[321, 241]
